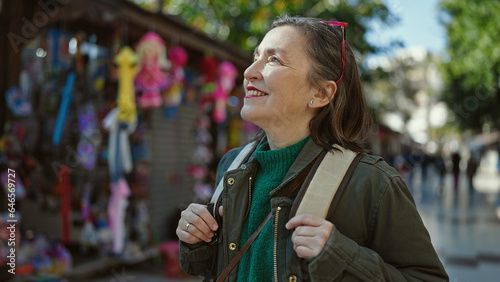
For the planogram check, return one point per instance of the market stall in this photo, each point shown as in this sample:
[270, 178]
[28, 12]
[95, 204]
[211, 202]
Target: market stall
[114, 119]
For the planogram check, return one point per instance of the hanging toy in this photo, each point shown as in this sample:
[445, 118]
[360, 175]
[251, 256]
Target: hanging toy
[150, 80]
[62, 261]
[225, 83]
[209, 70]
[88, 235]
[122, 121]
[198, 172]
[116, 213]
[126, 61]
[142, 223]
[189, 90]
[89, 140]
[119, 153]
[173, 96]
[67, 96]
[17, 102]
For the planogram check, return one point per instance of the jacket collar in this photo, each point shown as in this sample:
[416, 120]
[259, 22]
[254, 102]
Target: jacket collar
[310, 151]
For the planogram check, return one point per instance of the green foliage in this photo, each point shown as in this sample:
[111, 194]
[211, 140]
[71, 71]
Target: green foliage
[245, 22]
[472, 71]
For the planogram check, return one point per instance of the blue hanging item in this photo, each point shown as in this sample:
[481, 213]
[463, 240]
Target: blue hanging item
[67, 96]
[17, 102]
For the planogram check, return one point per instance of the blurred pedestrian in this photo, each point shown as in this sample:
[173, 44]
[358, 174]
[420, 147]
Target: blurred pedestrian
[472, 166]
[455, 160]
[440, 166]
[303, 90]
[426, 160]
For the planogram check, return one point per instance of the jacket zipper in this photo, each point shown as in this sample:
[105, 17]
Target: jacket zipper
[249, 197]
[275, 251]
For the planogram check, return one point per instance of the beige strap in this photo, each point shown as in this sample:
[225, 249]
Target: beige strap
[325, 182]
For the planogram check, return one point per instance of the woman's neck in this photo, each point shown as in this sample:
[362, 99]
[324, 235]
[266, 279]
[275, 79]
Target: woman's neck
[284, 139]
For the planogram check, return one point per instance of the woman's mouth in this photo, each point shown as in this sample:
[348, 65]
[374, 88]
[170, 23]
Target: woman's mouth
[255, 93]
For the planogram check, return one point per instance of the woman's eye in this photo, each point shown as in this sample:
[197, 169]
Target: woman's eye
[273, 59]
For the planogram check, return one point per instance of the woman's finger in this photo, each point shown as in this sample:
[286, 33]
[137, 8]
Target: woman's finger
[304, 220]
[204, 214]
[197, 223]
[310, 242]
[307, 246]
[305, 252]
[191, 233]
[322, 232]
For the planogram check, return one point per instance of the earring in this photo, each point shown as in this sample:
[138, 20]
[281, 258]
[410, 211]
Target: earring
[311, 102]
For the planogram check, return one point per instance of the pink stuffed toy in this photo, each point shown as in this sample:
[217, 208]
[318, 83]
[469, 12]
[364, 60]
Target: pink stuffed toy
[225, 83]
[116, 213]
[151, 80]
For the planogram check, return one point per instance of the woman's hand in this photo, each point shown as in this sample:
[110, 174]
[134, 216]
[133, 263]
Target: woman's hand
[196, 224]
[310, 235]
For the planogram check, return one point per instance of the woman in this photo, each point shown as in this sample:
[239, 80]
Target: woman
[303, 90]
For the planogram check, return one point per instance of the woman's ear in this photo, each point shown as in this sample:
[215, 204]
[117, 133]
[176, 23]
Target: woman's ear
[325, 95]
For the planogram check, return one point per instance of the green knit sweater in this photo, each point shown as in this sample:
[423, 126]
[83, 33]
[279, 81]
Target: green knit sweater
[257, 263]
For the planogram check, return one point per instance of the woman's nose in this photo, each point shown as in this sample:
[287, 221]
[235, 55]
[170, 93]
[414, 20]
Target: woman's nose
[253, 72]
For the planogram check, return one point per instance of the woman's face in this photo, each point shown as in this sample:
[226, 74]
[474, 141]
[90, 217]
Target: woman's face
[276, 86]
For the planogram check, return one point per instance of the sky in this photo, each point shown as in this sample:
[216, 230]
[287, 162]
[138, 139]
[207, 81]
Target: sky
[419, 25]
[419, 29]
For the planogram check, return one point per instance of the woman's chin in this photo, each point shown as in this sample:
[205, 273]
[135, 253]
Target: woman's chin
[244, 114]
[248, 114]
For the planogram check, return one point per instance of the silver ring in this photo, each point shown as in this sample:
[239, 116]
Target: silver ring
[187, 226]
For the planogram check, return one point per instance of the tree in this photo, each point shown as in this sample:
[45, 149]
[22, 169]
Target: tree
[472, 72]
[245, 22]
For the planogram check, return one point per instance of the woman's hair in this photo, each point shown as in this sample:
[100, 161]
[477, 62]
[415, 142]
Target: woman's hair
[343, 120]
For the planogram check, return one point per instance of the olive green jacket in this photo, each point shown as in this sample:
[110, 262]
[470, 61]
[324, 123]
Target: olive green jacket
[378, 234]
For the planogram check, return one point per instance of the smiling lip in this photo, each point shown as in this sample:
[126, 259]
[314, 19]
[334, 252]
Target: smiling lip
[253, 92]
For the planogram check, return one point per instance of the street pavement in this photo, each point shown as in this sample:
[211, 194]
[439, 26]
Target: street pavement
[462, 223]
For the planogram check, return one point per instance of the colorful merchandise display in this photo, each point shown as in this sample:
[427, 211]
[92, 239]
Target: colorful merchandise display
[81, 133]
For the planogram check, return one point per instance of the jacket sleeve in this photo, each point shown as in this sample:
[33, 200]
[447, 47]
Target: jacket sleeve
[400, 248]
[197, 259]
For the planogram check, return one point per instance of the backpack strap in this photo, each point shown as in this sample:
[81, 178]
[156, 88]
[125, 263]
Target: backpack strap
[243, 155]
[317, 196]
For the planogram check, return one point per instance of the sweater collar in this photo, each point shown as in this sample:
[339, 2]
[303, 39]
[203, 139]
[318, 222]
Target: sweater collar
[278, 160]
[310, 151]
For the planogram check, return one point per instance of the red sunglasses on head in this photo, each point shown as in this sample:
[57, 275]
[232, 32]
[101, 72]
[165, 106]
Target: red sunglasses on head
[342, 25]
